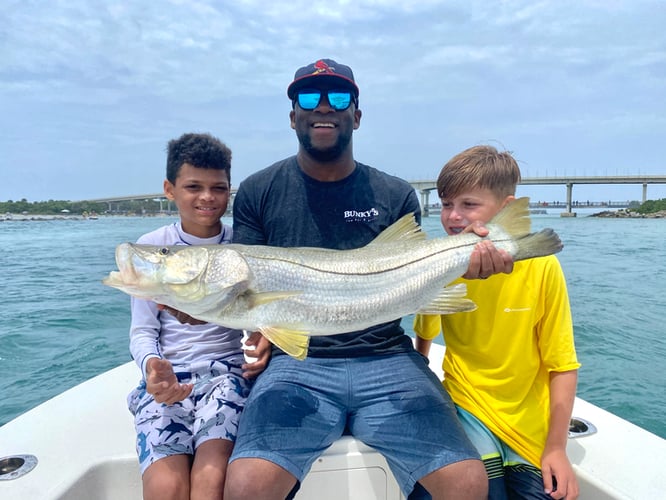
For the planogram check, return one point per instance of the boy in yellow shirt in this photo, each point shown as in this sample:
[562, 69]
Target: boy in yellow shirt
[510, 366]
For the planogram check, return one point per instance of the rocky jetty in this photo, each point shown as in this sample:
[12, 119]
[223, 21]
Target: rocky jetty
[626, 213]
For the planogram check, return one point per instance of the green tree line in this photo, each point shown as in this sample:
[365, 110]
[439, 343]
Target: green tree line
[651, 206]
[55, 207]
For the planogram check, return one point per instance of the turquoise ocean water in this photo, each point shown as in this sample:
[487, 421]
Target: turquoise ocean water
[59, 325]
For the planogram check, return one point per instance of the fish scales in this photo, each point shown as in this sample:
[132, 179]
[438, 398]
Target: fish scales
[341, 298]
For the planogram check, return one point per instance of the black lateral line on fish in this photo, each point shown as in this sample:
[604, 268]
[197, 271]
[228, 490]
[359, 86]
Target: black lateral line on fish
[358, 272]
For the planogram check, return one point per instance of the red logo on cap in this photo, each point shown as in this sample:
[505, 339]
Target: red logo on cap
[322, 67]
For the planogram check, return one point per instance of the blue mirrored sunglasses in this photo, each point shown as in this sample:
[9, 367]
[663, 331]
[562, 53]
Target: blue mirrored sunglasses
[339, 100]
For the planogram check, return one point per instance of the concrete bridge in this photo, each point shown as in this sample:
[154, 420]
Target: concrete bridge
[159, 197]
[424, 187]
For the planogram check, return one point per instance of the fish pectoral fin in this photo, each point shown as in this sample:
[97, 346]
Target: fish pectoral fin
[293, 342]
[404, 229]
[451, 300]
[261, 298]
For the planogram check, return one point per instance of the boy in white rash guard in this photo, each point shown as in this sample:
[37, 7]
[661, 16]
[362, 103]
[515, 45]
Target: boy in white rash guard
[188, 404]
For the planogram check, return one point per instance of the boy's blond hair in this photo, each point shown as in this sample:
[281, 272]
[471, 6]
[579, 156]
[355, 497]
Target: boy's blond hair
[479, 167]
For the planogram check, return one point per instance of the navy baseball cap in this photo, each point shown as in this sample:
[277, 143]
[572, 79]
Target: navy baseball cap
[322, 70]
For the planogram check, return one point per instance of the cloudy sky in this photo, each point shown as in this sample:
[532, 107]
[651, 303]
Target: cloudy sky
[91, 91]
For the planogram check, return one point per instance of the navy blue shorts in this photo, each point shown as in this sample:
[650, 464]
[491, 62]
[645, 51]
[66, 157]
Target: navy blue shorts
[393, 403]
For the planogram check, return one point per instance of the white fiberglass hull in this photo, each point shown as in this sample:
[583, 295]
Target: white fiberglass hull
[83, 441]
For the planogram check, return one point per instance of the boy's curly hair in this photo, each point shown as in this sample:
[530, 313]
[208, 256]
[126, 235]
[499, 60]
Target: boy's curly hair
[198, 150]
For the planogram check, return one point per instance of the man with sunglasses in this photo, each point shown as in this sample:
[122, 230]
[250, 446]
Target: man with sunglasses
[371, 383]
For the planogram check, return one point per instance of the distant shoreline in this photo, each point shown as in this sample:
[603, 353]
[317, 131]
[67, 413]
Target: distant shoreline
[52, 217]
[37, 217]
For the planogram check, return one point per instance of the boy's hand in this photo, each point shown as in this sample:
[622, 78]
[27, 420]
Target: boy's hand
[486, 260]
[261, 351]
[181, 316]
[162, 383]
[559, 479]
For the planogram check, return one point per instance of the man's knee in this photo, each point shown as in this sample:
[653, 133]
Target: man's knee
[252, 478]
[477, 479]
[466, 479]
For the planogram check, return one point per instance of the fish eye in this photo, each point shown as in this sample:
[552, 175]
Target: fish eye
[164, 250]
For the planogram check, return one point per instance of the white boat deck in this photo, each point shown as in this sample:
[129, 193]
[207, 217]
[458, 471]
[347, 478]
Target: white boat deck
[84, 443]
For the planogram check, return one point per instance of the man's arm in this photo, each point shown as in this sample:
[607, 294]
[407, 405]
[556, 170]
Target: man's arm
[259, 348]
[180, 315]
[423, 345]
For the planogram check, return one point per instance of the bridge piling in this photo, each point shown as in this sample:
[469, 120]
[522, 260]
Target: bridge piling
[568, 212]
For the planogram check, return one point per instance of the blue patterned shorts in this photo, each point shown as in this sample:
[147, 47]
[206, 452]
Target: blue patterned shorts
[211, 411]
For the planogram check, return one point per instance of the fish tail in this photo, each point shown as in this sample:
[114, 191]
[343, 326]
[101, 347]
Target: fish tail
[545, 242]
[515, 221]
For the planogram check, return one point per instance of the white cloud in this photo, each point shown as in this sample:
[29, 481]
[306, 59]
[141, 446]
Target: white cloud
[96, 89]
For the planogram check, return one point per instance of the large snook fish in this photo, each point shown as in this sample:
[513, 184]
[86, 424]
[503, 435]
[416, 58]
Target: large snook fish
[290, 294]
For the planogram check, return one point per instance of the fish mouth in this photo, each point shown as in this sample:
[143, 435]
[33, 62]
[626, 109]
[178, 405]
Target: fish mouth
[124, 257]
[154, 273]
[114, 279]
[128, 282]
[131, 268]
[168, 265]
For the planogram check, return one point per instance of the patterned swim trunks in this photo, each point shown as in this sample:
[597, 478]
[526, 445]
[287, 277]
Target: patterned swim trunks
[211, 411]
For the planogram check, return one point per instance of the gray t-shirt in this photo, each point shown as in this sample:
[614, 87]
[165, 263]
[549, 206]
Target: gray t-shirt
[282, 206]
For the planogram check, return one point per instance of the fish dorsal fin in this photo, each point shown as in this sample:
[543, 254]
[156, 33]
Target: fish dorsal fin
[515, 218]
[404, 229]
[292, 341]
[451, 300]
